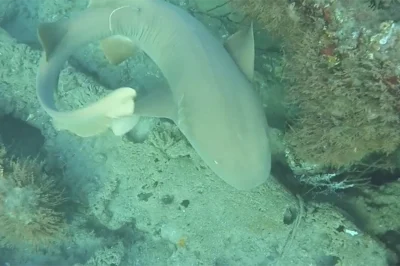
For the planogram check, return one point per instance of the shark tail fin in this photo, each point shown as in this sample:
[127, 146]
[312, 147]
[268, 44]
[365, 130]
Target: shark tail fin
[50, 35]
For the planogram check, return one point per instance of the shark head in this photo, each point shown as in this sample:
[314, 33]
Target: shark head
[231, 138]
[242, 161]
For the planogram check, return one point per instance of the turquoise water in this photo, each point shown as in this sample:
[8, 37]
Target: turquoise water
[147, 198]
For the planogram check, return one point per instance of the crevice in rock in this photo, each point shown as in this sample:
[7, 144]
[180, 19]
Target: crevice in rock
[382, 177]
[23, 30]
[20, 138]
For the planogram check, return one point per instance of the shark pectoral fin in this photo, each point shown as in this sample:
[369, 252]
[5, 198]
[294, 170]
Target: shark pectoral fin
[89, 127]
[241, 47]
[118, 48]
[158, 103]
[122, 125]
[50, 35]
[99, 116]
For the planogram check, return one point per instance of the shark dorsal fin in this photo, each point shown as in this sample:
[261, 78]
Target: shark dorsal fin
[241, 47]
[50, 35]
[118, 48]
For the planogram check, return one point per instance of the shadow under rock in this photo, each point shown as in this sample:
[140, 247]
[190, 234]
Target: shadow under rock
[344, 202]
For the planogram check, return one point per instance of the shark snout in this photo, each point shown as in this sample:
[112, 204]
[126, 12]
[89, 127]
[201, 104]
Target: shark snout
[249, 177]
[246, 170]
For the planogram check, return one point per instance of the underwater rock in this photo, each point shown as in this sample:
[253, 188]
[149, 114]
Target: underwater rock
[8, 9]
[29, 205]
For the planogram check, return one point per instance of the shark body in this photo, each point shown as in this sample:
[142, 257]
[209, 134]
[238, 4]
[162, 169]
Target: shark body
[210, 95]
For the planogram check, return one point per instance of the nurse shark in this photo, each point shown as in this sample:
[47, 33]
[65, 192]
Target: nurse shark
[210, 96]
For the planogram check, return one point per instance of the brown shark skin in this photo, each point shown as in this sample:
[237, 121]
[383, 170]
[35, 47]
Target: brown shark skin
[213, 102]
